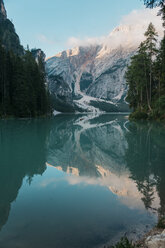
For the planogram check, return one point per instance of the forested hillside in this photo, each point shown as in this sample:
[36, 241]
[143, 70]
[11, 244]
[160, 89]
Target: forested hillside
[22, 85]
[23, 90]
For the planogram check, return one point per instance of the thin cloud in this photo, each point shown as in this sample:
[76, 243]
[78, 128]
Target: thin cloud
[87, 41]
[132, 28]
[143, 17]
[42, 38]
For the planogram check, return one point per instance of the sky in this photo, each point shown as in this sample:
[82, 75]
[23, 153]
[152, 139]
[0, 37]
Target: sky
[54, 25]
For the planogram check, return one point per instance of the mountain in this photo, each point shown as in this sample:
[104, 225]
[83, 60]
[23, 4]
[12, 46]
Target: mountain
[8, 37]
[3, 13]
[38, 54]
[99, 149]
[79, 142]
[91, 78]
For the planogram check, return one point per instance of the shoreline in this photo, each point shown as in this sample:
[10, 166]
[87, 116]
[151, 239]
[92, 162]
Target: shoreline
[153, 239]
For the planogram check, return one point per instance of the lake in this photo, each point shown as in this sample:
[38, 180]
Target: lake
[79, 181]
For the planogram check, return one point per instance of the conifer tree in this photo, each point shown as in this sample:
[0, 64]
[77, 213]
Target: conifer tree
[157, 3]
[146, 78]
[150, 43]
[22, 85]
[138, 88]
[153, 3]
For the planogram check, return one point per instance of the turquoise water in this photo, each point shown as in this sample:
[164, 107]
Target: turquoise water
[79, 181]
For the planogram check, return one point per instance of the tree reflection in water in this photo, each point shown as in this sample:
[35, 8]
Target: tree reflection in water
[145, 159]
[22, 154]
[102, 148]
[84, 142]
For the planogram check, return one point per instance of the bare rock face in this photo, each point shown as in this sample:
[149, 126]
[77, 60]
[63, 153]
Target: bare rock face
[94, 75]
[2, 10]
[39, 55]
[8, 36]
[156, 241]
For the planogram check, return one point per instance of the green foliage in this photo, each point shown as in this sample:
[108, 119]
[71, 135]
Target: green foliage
[137, 79]
[153, 3]
[22, 78]
[159, 108]
[124, 243]
[161, 223]
[138, 115]
[157, 3]
[145, 77]
[22, 86]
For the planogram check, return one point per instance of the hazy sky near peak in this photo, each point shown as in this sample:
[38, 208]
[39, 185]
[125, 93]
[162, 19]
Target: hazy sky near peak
[54, 25]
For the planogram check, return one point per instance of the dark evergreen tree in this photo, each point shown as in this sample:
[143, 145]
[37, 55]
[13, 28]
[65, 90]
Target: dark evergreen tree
[138, 95]
[23, 91]
[150, 44]
[153, 3]
[157, 3]
[146, 78]
[159, 104]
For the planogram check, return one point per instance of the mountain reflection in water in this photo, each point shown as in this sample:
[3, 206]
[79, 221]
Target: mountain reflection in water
[126, 157]
[83, 154]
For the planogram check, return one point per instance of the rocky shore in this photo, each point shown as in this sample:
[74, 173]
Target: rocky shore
[154, 239]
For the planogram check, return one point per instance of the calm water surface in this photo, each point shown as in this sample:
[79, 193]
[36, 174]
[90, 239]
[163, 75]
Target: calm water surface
[79, 181]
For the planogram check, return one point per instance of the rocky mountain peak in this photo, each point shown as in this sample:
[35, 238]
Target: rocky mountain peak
[91, 78]
[8, 36]
[2, 10]
[38, 54]
[122, 28]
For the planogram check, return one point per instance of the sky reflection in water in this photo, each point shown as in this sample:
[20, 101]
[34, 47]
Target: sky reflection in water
[79, 181]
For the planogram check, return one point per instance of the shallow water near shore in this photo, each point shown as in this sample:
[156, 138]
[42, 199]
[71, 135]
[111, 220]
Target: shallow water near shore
[79, 181]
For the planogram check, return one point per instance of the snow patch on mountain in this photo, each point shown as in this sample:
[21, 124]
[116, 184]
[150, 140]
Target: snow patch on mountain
[92, 77]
